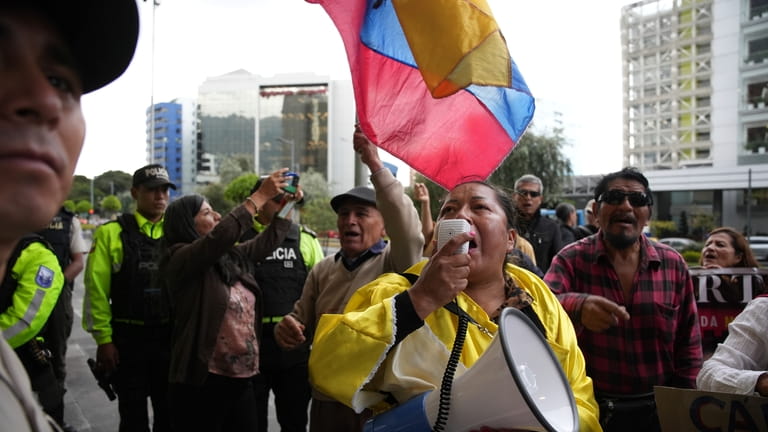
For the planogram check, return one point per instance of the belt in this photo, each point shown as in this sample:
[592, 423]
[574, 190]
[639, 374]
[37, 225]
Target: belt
[271, 320]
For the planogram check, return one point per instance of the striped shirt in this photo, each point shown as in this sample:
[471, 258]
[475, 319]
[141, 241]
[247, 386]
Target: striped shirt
[661, 342]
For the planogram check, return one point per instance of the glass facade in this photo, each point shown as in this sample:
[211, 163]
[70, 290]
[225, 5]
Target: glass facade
[293, 128]
[228, 121]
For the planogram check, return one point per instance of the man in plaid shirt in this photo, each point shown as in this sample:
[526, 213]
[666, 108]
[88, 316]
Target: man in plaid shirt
[632, 304]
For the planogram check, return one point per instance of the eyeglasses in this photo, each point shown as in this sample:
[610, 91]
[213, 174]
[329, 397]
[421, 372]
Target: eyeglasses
[617, 197]
[528, 193]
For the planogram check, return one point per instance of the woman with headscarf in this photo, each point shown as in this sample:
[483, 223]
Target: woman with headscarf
[216, 314]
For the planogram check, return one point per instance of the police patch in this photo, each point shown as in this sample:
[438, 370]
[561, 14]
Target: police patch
[44, 277]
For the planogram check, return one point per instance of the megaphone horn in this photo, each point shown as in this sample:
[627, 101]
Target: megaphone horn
[516, 384]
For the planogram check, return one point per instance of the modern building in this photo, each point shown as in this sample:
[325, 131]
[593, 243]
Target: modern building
[695, 116]
[300, 121]
[172, 135]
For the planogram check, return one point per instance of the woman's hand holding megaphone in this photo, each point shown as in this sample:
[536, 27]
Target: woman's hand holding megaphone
[443, 277]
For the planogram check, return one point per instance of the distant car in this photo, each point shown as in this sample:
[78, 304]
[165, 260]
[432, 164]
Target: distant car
[759, 246]
[681, 244]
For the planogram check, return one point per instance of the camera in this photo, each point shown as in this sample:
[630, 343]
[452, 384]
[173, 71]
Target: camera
[294, 182]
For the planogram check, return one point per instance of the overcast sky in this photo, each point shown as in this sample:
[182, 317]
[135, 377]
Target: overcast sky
[569, 54]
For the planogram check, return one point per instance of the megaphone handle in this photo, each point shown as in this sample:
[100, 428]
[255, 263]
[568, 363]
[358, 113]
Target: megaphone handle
[444, 405]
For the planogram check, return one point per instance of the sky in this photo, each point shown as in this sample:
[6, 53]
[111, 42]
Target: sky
[569, 55]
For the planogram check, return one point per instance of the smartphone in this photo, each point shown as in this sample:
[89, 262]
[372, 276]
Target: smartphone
[447, 229]
[293, 184]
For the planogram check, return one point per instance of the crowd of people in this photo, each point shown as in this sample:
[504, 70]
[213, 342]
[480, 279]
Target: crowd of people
[203, 315]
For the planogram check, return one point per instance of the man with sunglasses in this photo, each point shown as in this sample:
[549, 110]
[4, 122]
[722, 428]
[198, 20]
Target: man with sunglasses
[631, 301]
[541, 232]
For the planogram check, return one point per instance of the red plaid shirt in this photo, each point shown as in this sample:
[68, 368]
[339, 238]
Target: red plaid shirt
[661, 342]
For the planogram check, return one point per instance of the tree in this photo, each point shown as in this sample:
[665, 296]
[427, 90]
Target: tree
[83, 207]
[318, 215]
[214, 193]
[542, 156]
[69, 205]
[110, 205]
[238, 189]
[702, 224]
[81, 189]
[662, 228]
[232, 167]
[316, 212]
[113, 183]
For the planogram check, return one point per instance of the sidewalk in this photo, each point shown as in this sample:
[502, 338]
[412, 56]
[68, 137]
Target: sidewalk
[86, 406]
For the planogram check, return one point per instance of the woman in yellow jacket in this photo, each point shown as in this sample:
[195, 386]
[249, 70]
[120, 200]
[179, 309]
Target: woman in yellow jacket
[394, 338]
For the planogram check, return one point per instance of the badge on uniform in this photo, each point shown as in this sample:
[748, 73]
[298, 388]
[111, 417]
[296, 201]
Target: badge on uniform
[287, 264]
[44, 277]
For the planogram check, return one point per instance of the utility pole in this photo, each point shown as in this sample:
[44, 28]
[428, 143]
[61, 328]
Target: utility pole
[749, 203]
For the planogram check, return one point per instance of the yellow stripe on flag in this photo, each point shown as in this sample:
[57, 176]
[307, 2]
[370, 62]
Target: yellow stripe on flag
[455, 43]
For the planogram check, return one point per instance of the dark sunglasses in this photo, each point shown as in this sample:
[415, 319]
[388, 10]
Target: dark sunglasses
[528, 193]
[617, 197]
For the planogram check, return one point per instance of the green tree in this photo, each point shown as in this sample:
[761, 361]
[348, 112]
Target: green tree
[316, 212]
[214, 193]
[83, 207]
[113, 182]
[315, 186]
[110, 205]
[240, 187]
[701, 225]
[318, 215]
[542, 156]
[69, 205]
[661, 229]
[81, 189]
[232, 167]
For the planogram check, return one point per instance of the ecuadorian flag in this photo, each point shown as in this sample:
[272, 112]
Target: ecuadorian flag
[434, 83]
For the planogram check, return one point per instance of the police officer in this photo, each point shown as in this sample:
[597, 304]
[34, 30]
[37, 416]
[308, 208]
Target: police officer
[123, 307]
[65, 236]
[28, 294]
[281, 278]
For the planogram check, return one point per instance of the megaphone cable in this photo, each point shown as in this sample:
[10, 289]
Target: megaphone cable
[444, 406]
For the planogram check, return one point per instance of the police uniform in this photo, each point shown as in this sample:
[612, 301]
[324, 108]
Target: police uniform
[65, 237]
[28, 294]
[122, 305]
[281, 279]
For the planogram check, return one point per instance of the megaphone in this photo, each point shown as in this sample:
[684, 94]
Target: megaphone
[516, 384]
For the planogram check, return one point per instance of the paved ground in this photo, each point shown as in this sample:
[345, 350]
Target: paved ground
[87, 407]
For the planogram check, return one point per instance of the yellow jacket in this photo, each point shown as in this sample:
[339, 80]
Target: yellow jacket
[354, 358]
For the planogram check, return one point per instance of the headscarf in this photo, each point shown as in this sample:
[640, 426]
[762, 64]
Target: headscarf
[179, 228]
[179, 224]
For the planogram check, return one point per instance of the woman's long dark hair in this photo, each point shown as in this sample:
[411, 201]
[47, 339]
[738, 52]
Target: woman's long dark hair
[179, 228]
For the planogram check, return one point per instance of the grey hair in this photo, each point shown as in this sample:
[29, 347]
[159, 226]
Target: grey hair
[530, 178]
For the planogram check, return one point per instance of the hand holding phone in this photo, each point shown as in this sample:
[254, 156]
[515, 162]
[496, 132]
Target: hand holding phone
[447, 229]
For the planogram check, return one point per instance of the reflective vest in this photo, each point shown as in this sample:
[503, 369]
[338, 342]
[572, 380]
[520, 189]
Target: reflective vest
[135, 289]
[31, 287]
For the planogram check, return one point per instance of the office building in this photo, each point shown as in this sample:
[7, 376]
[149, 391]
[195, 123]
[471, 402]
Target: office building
[172, 134]
[300, 121]
[695, 118]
